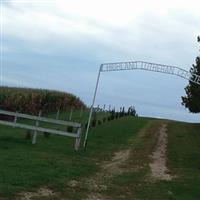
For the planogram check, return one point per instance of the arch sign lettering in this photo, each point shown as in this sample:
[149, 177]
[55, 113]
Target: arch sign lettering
[140, 65]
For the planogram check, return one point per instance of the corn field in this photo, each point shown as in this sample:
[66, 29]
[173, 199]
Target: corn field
[27, 100]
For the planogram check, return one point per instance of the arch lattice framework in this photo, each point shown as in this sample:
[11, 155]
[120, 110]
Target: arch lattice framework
[140, 65]
[166, 69]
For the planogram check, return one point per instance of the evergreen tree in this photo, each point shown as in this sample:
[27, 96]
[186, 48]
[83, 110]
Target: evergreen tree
[192, 98]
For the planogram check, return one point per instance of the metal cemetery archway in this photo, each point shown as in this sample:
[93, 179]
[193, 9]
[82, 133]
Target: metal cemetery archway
[107, 67]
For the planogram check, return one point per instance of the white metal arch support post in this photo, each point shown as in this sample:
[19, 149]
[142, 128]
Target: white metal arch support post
[166, 69]
[92, 106]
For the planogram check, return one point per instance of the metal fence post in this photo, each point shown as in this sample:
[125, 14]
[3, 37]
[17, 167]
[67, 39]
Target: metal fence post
[92, 107]
[35, 132]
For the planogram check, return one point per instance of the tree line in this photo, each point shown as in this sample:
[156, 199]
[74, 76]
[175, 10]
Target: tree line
[112, 115]
[192, 99]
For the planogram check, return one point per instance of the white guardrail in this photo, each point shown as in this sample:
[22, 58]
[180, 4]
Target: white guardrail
[37, 127]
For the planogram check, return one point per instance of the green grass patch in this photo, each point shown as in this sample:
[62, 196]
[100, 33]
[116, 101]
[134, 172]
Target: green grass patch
[52, 161]
[183, 154]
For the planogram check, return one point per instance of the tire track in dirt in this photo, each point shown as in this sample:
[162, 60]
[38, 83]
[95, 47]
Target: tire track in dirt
[158, 165]
[109, 169]
[42, 192]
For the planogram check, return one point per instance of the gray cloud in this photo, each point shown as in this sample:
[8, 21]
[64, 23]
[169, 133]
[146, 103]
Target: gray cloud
[49, 48]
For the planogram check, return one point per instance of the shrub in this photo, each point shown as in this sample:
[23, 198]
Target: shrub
[116, 115]
[86, 124]
[46, 134]
[28, 135]
[94, 122]
[70, 129]
[99, 122]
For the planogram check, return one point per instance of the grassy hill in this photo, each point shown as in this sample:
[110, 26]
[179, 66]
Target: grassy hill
[53, 163]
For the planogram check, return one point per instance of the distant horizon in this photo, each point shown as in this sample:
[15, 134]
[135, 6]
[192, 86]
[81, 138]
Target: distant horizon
[107, 106]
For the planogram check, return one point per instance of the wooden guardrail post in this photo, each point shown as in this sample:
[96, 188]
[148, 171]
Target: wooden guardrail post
[78, 139]
[37, 127]
[35, 132]
[15, 119]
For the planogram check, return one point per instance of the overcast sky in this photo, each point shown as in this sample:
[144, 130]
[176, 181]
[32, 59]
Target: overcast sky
[59, 44]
